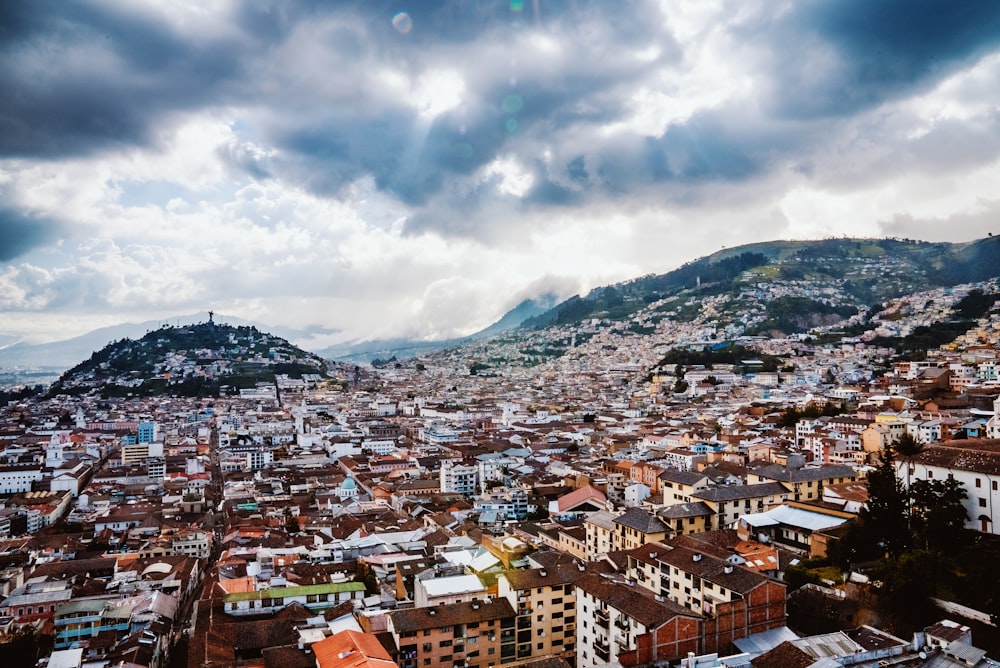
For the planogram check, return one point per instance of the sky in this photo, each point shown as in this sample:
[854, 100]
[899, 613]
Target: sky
[370, 169]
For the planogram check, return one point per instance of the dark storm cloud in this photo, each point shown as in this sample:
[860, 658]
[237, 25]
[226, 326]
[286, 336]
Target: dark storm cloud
[78, 78]
[836, 58]
[23, 233]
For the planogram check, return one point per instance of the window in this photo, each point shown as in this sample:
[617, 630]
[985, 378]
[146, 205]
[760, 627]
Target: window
[930, 474]
[979, 483]
[994, 485]
[982, 502]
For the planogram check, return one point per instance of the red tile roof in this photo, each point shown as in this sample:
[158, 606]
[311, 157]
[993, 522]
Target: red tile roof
[350, 649]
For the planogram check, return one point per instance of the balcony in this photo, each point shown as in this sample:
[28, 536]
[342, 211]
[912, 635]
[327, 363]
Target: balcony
[602, 652]
[601, 617]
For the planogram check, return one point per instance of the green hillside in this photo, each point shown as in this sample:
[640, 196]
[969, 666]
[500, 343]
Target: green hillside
[192, 360]
[828, 279]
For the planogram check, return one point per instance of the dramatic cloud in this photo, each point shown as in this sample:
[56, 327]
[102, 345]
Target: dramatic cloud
[366, 169]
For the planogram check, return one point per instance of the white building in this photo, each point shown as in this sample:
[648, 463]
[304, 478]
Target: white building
[447, 590]
[458, 479]
[975, 464]
[14, 479]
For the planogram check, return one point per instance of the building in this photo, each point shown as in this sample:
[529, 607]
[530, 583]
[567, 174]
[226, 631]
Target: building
[458, 479]
[476, 634]
[15, 479]
[728, 502]
[805, 484]
[430, 590]
[316, 597]
[620, 621]
[600, 530]
[734, 602]
[350, 649]
[974, 463]
[637, 526]
[545, 602]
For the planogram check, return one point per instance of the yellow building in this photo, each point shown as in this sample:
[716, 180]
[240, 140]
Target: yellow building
[545, 602]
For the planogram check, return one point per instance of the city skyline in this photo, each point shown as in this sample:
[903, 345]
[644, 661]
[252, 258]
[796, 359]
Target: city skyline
[374, 170]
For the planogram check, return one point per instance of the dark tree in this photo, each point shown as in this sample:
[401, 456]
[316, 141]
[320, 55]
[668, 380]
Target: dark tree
[938, 514]
[907, 448]
[883, 520]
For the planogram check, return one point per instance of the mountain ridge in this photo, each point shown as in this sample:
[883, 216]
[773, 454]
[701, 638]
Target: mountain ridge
[904, 266]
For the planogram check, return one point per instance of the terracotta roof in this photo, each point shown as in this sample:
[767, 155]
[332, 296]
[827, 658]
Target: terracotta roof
[681, 477]
[825, 472]
[682, 510]
[709, 567]
[580, 496]
[350, 649]
[785, 655]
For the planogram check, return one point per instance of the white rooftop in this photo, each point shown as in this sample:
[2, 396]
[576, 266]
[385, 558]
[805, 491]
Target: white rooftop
[795, 517]
[449, 586]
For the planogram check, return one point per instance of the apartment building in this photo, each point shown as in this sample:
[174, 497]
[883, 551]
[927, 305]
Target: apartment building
[728, 502]
[545, 601]
[600, 531]
[621, 621]
[677, 486]
[805, 484]
[734, 602]
[476, 634]
[637, 526]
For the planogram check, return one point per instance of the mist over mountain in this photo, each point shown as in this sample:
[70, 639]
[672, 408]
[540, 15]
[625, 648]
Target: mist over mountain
[861, 273]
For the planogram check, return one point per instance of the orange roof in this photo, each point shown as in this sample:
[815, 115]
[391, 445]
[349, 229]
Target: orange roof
[350, 649]
[576, 497]
[237, 585]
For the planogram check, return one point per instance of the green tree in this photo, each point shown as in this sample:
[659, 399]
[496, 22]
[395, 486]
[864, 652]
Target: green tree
[908, 583]
[883, 519]
[908, 448]
[938, 513]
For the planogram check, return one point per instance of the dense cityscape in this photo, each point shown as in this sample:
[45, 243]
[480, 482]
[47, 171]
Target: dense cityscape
[499, 334]
[662, 488]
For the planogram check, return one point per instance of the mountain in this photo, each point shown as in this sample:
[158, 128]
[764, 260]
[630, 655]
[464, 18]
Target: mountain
[514, 318]
[60, 355]
[807, 284]
[826, 280]
[202, 359]
[366, 351]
